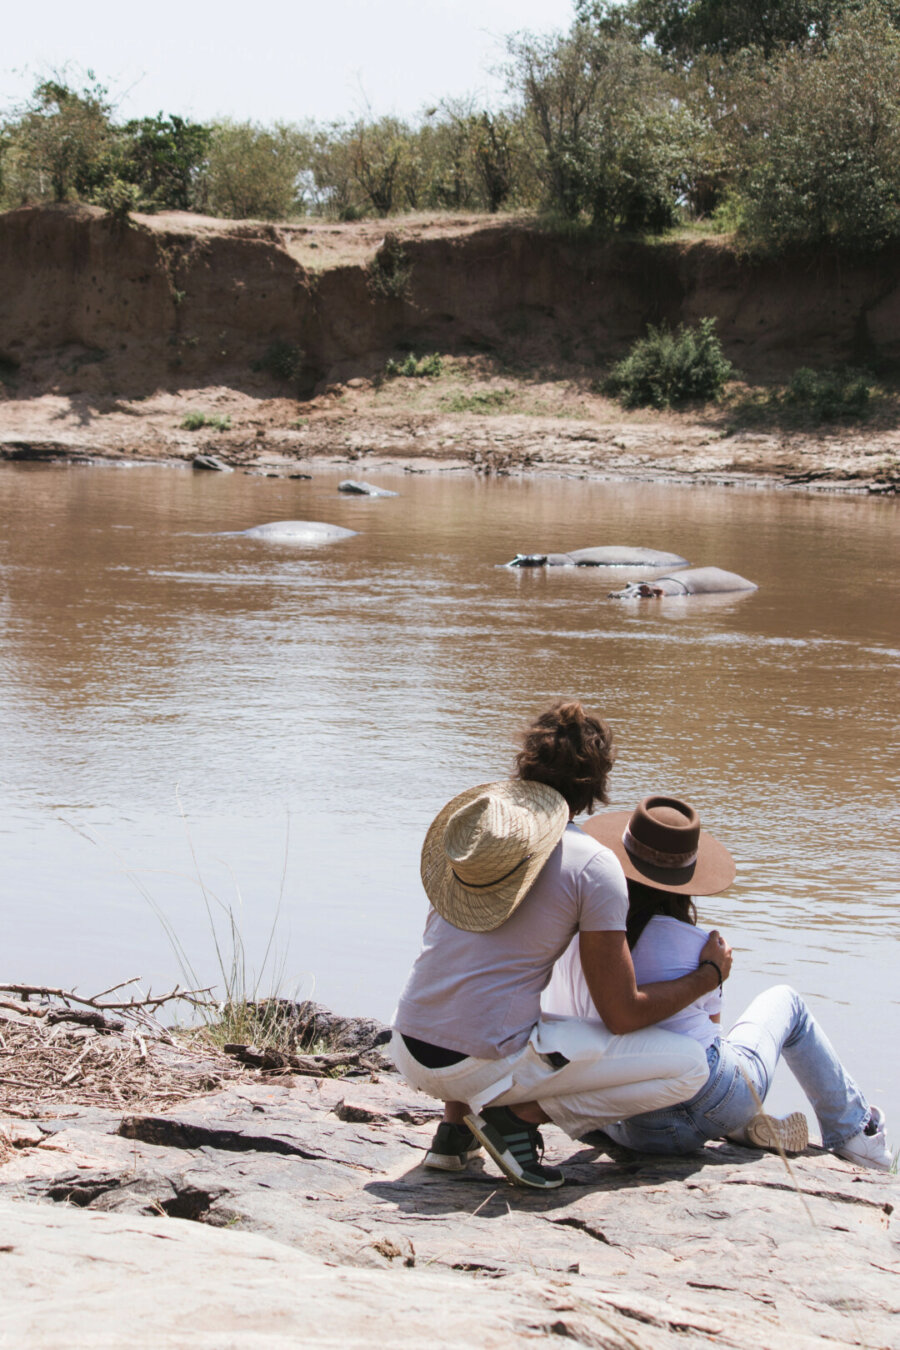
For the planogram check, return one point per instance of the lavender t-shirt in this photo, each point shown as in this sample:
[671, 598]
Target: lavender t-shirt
[480, 993]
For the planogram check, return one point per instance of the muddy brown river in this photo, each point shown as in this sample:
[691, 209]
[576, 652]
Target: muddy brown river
[312, 708]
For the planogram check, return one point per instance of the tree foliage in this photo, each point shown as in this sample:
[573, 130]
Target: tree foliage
[606, 133]
[254, 172]
[686, 29]
[780, 120]
[817, 149]
[59, 145]
[164, 158]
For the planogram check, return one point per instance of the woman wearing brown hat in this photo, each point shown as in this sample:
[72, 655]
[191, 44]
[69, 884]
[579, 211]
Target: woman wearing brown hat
[511, 880]
[667, 859]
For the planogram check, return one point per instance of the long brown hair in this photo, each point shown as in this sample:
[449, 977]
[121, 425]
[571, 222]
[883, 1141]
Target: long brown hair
[570, 750]
[646, 901]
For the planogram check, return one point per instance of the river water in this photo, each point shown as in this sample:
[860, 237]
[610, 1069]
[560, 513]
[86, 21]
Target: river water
[192, 719]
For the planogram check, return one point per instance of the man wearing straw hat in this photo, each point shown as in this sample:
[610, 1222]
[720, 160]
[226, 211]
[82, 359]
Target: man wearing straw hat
[511, 880]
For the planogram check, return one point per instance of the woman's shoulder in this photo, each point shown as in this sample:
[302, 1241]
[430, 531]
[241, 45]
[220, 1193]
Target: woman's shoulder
[663, 929]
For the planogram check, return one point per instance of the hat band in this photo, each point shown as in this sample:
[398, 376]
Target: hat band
[653, 855]
[486, 885]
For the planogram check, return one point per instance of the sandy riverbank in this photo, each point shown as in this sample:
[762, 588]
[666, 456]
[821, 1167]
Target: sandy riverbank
[551, 426]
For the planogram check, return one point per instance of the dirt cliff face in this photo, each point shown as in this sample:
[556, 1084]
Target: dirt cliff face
[86, 301]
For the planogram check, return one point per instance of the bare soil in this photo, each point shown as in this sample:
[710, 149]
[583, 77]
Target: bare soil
[471, 417]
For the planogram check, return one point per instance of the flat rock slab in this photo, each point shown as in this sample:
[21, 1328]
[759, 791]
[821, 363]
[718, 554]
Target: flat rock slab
[727, 1246]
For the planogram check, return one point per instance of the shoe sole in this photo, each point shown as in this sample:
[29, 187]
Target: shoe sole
[873, 1164]
[791, 1133]
[450, 1162]
[486, 1135]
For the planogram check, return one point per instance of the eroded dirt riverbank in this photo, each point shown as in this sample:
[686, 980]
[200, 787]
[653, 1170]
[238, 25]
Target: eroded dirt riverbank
[110, 333]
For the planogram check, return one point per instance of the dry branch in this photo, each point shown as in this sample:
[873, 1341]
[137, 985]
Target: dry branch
[145, 1002]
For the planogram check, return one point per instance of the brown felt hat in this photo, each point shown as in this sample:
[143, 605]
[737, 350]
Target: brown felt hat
[484, 850]
[661, 844]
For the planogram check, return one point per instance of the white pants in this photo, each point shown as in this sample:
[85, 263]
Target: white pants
[606, 1078]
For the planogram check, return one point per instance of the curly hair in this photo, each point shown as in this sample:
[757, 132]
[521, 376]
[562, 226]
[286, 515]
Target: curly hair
[570, 750]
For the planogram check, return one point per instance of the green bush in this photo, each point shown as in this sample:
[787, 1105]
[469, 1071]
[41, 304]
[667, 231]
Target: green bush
[118, 198]
[829, 395]
[388, 275]
[195, 421]
[284, 360]
[418, 367]
[665, 368]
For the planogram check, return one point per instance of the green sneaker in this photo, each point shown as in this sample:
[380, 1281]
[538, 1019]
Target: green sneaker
[451, 1148]
[515, 1146]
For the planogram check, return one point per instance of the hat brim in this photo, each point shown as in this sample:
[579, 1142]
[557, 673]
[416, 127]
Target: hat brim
[478, 911]
[713, 871]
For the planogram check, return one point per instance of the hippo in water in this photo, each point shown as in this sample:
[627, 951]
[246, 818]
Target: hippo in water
[693, 581]
[612, 555]
[298, 532]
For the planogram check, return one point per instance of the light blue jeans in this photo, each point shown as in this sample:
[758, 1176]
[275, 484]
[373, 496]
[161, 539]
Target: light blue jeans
[777, 1022]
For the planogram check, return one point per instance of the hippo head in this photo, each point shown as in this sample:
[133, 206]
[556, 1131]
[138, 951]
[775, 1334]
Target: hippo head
[638, 590]
[528, 560]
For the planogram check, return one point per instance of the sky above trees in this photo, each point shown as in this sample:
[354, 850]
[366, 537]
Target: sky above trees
[285, 61]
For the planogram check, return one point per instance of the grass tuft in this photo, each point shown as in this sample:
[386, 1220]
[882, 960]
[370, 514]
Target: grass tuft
[195, 421]
[485, 401]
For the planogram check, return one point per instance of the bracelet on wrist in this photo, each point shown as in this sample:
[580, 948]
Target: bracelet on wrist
[715, 966]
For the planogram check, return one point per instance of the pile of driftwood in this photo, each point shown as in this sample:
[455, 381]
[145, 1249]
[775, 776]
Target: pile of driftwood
[58, 1047]
[61, 1048]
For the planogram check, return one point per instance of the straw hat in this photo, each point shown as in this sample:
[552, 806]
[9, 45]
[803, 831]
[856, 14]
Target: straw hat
[661, 843]
[483, 851]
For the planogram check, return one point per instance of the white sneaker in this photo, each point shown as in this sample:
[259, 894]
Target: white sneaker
[869, 1150]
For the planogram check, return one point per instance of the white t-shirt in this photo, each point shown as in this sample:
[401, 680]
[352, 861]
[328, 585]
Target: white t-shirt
[480, 993]
[666, 949]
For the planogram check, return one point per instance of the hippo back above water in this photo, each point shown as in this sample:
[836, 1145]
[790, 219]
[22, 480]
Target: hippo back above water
[693, 581]
[298, 532]
[610, 555]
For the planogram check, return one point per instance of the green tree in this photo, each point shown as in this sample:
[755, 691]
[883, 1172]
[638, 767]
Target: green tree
[60, 144]
[254, 172]
[378, 153]
[607, 133]
[686, 29]
[816, 145]
[163, 157]
[445, 152]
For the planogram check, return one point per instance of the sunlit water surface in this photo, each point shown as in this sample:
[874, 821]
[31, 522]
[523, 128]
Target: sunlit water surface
[312, 708]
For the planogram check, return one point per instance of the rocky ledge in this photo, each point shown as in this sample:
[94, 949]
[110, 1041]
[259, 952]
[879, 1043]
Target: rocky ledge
[294, 1210]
